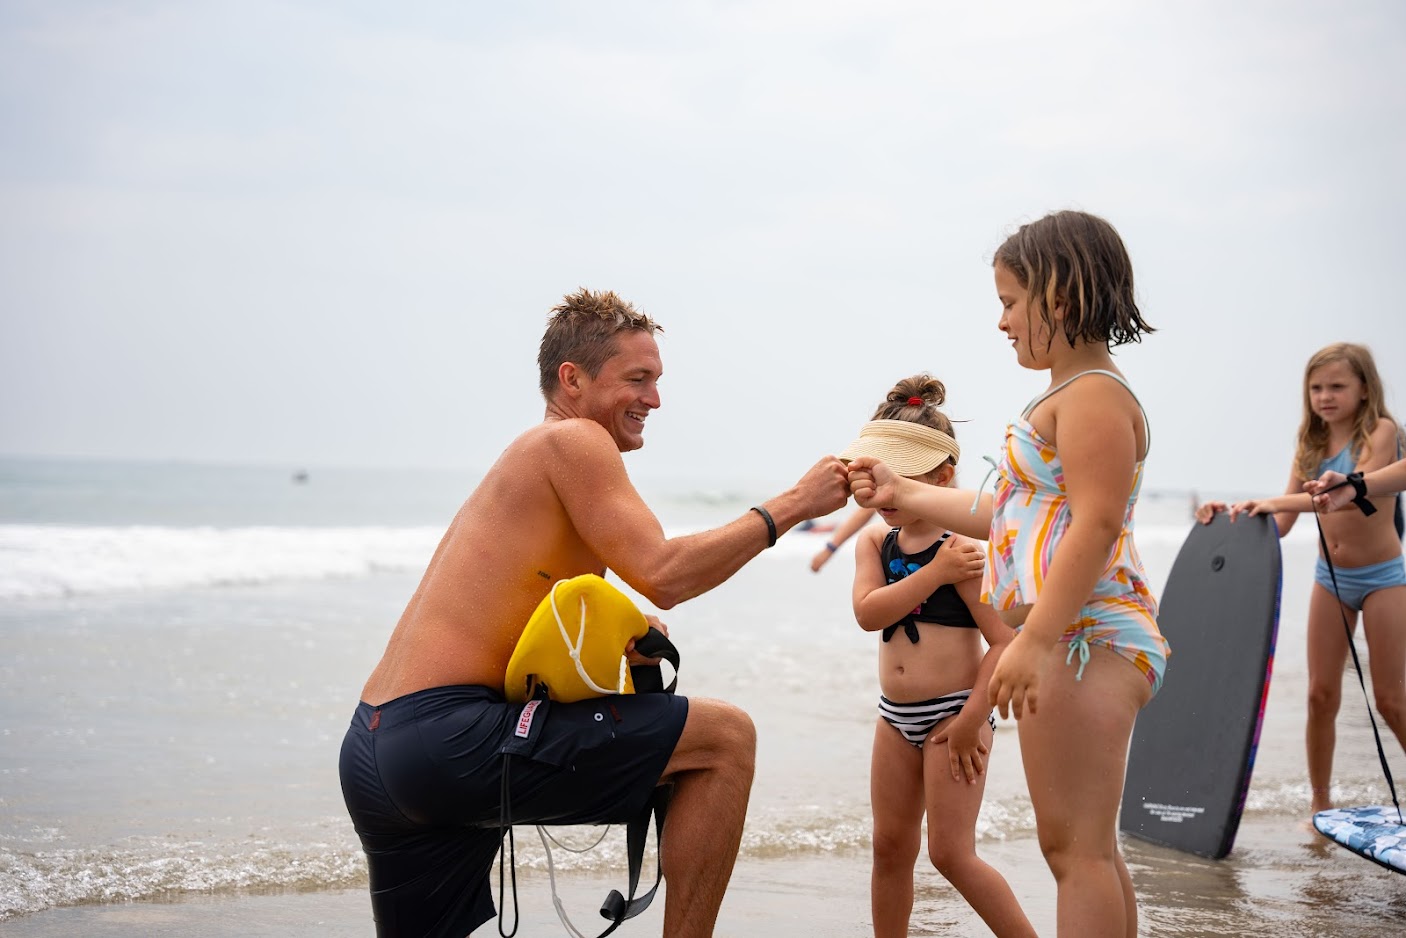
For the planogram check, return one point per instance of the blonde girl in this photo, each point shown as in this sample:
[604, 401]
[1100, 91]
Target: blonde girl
[1061, 563]
[1346, 428]
[916, 582]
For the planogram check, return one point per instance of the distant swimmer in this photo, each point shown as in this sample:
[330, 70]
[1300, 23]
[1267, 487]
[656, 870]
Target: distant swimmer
[842, 532]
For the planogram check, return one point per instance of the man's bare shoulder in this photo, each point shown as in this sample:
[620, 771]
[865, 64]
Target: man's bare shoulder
[577, 442]
[576, 435]
[571, 432]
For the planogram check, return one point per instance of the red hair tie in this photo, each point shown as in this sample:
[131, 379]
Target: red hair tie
[916, 402]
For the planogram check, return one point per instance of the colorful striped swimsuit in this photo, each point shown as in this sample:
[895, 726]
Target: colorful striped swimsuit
[1029, 517]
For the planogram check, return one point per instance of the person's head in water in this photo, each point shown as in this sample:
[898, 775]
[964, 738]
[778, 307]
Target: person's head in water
[598, 360]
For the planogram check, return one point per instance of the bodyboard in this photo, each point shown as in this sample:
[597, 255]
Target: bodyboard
[1193, 747]
[1374, 832]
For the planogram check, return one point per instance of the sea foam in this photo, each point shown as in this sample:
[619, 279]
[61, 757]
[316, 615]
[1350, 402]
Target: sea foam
[63, 560]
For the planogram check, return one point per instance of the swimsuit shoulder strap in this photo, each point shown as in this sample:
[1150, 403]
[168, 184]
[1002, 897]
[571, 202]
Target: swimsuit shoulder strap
[1146, 425]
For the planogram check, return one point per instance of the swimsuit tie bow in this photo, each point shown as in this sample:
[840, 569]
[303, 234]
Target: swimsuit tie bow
[1079, 644]
[984, 479]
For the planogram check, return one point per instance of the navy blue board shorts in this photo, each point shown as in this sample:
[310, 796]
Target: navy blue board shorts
[422, 776]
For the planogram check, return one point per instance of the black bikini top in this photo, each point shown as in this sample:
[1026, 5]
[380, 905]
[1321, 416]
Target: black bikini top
[944, 607]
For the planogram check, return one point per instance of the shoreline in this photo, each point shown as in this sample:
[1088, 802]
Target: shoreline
[827, 896]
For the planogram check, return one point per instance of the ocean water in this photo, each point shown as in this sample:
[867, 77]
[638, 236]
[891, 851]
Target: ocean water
[183, 647]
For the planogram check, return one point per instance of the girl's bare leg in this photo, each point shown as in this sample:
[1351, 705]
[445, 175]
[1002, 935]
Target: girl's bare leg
[1384, 625]
[1327, 653]
[952, 808]
[896, 798]
[1075, 751]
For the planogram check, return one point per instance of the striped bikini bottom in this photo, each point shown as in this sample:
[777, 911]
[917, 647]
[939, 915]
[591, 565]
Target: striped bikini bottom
[916, 720]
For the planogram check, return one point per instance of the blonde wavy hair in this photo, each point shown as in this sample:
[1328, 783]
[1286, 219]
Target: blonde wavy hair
[1313, 431]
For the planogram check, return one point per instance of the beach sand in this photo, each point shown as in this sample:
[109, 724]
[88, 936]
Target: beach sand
[828, 897]
[1282, 878]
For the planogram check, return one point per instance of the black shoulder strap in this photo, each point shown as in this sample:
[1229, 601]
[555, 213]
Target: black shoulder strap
[617, 908]
[648, 679]
[888, 549]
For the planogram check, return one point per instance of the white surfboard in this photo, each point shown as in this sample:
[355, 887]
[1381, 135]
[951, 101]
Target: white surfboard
[1374, 832]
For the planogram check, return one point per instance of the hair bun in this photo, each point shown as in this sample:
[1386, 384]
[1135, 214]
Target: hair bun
[918, 391]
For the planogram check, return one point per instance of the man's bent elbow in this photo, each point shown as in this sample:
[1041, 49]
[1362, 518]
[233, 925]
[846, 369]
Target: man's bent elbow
[663, 601]
[666, 587]
[662, 594]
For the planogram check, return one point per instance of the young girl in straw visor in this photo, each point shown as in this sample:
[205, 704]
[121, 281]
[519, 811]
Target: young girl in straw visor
[1062, 565]
[917, 583]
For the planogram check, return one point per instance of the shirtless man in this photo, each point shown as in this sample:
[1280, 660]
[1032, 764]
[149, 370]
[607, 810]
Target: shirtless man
[422, 762]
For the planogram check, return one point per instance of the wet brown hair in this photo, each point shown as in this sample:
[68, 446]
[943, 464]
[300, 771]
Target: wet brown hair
[1313, 431]
[1078, 260]
[932, 393]
[582, 329]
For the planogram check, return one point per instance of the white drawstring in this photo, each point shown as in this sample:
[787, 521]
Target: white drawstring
[575, 650]
[552, 876]
[982, 487]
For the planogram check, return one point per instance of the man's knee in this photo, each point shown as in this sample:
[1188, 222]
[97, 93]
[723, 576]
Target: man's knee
[716, 735]
[736, 732]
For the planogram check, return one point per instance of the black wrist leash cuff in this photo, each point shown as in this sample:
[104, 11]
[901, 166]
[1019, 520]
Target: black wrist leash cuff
[1359, 488]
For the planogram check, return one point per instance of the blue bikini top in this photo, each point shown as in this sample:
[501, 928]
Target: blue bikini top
[1343, 462]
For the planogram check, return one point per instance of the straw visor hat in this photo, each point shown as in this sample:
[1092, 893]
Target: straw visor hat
[909, 449]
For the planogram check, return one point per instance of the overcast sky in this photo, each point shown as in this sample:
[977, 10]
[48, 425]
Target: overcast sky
[328, 234]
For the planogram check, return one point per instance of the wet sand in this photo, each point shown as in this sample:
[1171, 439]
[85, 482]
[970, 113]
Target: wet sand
[1248, 893]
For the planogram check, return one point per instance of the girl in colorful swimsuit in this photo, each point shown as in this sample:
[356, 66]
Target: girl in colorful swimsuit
[935, 726]
[1061, 563]
[1345, 428]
